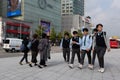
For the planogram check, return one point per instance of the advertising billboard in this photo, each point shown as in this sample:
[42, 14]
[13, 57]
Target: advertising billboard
[13, 8]
[46, 26]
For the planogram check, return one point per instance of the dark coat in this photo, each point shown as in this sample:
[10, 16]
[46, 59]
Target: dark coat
[25, 42]
[34, 45]
[43, 53]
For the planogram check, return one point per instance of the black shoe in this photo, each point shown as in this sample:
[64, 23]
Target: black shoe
[27, 62]
[30, 65]
[49, 57]
[40, 66]
[45, 65]
[35, 64]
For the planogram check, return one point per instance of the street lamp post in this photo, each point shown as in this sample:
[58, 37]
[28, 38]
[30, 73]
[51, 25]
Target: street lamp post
[4, 25]
[20, 29]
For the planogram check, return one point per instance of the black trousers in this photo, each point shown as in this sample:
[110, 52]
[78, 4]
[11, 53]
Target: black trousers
[66, 54]
[100, 53]
[94, 57]
[83, 53]
[25, 56]
[34, 56]
[42, 62]
[75, 51]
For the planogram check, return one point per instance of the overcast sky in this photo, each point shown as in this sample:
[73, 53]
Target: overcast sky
[106, 12]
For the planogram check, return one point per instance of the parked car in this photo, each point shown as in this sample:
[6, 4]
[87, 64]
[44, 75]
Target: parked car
[12, 44]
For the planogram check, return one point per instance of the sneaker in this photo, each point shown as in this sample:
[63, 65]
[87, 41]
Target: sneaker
[90, 66]
[71, 66]
[20, 63]
[27, 62]
[40, 66]
[30, 65]
[35, 64]
[45, 65]
[99, 70]
[102, 70]
[80, 66]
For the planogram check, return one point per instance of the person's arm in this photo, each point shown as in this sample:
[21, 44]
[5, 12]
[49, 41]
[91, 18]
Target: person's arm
[107, 42]
[70, 45]
[79, 43]
[93, 42]
[61, 43]
[90, 43]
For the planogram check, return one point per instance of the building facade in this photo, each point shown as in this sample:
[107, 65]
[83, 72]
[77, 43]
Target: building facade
[36, 12]
[71, 7]
[3, 8]
[48, 11]
[71, 21]
[11, 28]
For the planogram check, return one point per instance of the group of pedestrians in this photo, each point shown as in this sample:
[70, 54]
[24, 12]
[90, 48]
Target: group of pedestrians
[92, 45]
[36, 46]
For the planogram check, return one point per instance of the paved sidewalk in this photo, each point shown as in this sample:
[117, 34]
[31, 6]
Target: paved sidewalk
[58, 70]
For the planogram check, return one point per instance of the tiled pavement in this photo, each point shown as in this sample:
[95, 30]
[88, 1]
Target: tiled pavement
[58, 70]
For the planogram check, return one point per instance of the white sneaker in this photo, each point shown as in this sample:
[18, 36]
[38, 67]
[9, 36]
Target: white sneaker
[102, 70]
[71, 66]
[90, 66]
[80, 66]
[99, 70]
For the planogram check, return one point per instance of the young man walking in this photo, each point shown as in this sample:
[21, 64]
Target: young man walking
[94, 52]
[101, 44]
[86, 47]
[65, 46]
[75, 42]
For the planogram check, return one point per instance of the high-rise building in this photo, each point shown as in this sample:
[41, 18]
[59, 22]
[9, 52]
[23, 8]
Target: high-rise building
[70, 7]
[45, 13]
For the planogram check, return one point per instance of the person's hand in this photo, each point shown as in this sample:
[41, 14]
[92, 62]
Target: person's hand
[87, 50]
[108, 50]
[61, 48]
[92, 50]
[74, 42]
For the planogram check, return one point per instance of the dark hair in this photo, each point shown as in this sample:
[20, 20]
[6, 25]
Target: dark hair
[85, 29]
[66, 34]
[44, 35]
[35, 36]
[95, 30]
[99, 25]
[75, 32]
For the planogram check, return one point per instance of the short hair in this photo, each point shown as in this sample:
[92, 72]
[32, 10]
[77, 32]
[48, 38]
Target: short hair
[35, 36]
[95, 30]
[85, 29]
[66, 34]
[99, 25]
[44, 35]
[75, 32]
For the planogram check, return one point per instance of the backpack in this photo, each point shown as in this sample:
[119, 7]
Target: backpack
[22, 47]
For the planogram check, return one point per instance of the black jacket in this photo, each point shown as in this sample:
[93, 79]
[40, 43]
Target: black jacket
[34, 45]
[25, 42]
